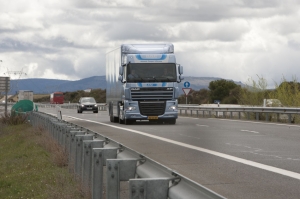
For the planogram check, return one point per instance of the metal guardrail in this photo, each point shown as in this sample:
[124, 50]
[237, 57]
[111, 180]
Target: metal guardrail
[239, 112]
[88, 153]
[101, 106]
[224, 111]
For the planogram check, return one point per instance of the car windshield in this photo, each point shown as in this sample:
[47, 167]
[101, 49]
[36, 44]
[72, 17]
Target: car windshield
[91, 100]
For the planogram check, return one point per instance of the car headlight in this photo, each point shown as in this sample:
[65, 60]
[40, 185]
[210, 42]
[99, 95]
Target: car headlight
[95, 105]
[130, 108]
[82, 105]
[173, 108]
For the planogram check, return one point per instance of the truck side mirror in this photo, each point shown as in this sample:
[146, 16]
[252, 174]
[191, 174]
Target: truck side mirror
[120, 70]
[120, 78]
[180, 69]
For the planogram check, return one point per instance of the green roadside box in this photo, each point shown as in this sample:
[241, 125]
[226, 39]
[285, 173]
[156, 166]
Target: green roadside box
[22, 106]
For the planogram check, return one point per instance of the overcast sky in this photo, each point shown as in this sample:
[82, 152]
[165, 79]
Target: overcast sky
[230, 39]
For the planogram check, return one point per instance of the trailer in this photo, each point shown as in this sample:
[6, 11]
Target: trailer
[142, 83]
[25, 95]
[57, 98]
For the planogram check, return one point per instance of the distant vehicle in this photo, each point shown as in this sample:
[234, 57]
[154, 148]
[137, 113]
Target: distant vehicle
[142, 83]
[25, 95]
[272, 103]
[57, 98]
[87, 104]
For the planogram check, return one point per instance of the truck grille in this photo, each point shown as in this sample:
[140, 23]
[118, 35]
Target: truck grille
[142, 94]
[152, 108]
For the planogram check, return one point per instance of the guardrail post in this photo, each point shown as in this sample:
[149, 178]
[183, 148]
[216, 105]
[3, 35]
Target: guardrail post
[197, 112]
[185, 112]
[144, 188]
[239, 115]
[99, 157]
[248, 115]
[79, 150]
[68, 138]
[278, 117]
[61, 133]
[231, 115]
[209, 113]
[191, 113]
[88, 146]
[257, 116]
[118, 170]
[267, 116]
[290, 118]
[72, 150]
[203, 114]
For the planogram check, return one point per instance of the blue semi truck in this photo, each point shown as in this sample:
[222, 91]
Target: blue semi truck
[142, 83]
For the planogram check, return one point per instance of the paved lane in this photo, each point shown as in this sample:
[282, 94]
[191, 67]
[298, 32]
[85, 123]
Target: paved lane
[204, 151]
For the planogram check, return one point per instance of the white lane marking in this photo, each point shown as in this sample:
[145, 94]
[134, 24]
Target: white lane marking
[202, 125]
[254, 122]
[189, 136]
[222, 155]
[249, 131]
[258, 151]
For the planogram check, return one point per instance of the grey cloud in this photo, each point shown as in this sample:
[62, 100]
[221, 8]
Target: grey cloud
[136, 31]
[9, 44]
[62, 66]
[260, 3]
[294, 45]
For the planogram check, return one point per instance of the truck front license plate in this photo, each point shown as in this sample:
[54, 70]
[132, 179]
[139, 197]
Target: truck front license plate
[152, 117]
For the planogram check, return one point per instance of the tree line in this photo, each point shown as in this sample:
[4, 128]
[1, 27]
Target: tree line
[224, 91]
[253, 93]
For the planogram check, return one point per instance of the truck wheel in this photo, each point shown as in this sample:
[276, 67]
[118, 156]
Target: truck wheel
[111, 118]
[128, 122]
[116, 119]
[172, 121]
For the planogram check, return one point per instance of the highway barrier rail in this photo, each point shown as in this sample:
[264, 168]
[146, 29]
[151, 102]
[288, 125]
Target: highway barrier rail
[103, 165]
[277, 114]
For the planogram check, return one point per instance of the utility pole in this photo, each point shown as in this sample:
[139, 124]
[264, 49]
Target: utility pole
[20, 73]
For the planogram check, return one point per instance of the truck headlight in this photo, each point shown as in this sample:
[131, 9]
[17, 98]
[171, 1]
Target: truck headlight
[130, 108]
[172, 108]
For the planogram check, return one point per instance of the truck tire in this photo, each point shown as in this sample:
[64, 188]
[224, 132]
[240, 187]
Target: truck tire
[116, 119]
[111, 118]
[172, 121]
[128, 122]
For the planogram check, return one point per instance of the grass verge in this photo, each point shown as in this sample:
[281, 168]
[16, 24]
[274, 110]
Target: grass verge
[33, 165]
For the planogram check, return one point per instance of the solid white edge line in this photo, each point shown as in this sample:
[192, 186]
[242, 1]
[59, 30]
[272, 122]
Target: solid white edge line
[222, 155]
[249, 131]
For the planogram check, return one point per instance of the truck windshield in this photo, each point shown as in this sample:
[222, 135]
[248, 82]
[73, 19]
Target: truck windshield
[151, 72]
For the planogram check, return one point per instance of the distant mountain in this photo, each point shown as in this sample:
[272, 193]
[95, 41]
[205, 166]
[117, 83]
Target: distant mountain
[46, 86]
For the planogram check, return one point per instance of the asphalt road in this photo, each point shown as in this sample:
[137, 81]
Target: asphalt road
[236, 159]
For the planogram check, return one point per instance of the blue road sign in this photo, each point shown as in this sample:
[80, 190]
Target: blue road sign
[186, 84]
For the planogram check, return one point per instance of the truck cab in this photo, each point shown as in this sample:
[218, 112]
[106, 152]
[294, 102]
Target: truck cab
[147, 87]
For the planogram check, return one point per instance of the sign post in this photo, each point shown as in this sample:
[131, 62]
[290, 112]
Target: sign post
[5, 87]
[186, 90]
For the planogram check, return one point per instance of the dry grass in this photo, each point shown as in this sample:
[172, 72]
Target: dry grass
[13, 119]
[33, 165]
